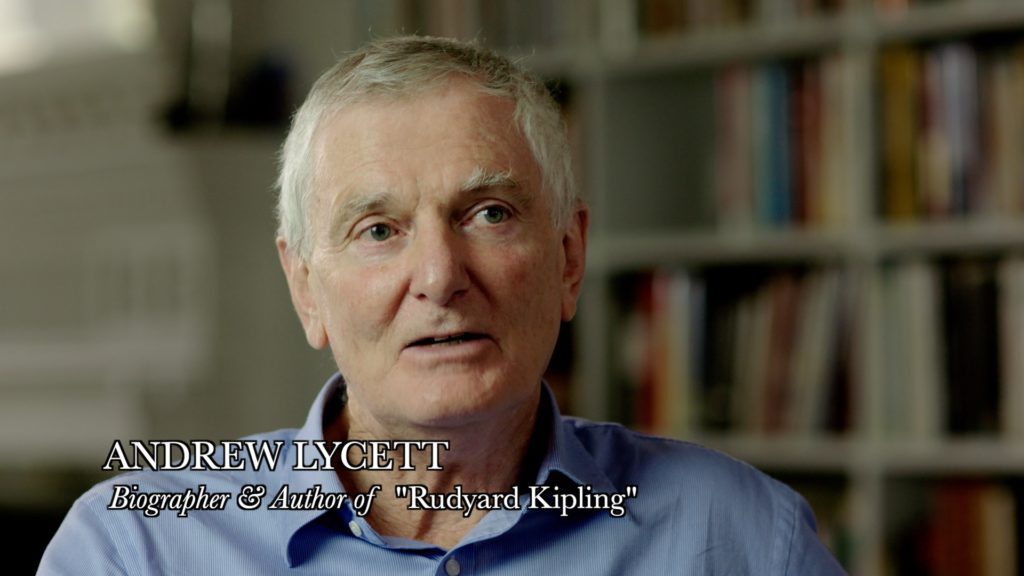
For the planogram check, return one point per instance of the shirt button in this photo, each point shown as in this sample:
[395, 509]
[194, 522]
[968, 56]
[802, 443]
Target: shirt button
[356, 530]
[452, 567]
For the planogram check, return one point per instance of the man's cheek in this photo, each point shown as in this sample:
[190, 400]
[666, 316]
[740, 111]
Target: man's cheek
[532, 277]
[520, 267]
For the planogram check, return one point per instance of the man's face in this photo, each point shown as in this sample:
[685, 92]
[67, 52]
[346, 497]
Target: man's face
[437, 277]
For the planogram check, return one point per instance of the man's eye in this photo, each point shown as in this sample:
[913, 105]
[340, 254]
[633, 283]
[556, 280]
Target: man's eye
[494, 214]
[379, 232]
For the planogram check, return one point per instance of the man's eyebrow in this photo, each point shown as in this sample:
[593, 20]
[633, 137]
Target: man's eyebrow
[481, 179]
[357, 206]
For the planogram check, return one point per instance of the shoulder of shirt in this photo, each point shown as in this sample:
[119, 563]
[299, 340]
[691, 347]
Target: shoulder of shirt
[631, 457]
[759, 520]
[181, 480]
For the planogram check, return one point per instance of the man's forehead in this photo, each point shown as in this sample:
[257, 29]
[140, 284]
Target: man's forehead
[455, 168]
[458, 105]
[456, 133]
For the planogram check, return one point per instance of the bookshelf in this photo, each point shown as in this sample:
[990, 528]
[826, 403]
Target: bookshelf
[653, 84]
[645, 110]
[869, 298]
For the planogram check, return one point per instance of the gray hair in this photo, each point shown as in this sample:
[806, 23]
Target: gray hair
[405, 66]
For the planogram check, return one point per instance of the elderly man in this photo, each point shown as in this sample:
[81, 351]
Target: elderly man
[432, 239]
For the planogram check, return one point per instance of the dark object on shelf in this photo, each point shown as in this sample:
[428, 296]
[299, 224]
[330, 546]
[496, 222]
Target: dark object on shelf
[261, 98]
[972, 357]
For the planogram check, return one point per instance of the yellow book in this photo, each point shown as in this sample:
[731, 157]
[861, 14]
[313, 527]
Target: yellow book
[900, 68]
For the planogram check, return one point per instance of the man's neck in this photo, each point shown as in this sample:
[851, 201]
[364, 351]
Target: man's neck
[487, 457]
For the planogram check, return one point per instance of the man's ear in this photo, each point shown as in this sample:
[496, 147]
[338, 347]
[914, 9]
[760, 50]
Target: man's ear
[297, 273]
[574, 249]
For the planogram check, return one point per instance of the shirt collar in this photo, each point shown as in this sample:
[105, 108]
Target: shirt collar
[563, 453]
[328, 403]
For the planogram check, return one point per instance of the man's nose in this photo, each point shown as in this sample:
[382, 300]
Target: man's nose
[439, 266]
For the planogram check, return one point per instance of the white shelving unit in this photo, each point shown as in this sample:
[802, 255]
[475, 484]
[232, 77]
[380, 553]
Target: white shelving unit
[109, 261]
[615, 64]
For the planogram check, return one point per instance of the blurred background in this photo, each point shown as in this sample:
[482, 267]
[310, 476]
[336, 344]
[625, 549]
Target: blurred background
[806, 249]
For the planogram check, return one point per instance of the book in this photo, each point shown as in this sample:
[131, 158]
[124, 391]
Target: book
[733, 149]
[784, 294]
[972, 351]
[815, 350]
[832, 209]
[1011, 337]
[900, 74]
[926, 378]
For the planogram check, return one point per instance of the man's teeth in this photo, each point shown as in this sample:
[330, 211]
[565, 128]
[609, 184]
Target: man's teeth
[453, 339]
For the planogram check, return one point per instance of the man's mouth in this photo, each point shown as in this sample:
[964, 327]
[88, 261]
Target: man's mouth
[448, 340]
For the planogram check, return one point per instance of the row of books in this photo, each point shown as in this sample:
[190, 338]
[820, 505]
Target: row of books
[964, 527]
[674, 16]
[781, 153]
[762, 350]
[738, 349]
[952, 130]
[951, 362]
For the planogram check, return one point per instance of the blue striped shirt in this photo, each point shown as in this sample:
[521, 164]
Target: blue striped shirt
[696, 511]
